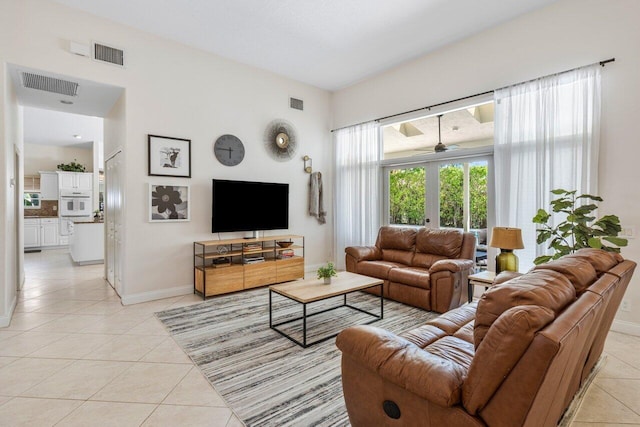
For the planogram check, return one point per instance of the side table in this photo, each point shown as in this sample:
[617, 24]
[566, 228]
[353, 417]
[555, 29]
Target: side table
[484, 278]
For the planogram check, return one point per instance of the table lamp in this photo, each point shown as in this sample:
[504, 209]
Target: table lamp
[506, 239]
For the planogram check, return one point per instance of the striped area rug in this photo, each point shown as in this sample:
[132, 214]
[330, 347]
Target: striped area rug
[267, 379]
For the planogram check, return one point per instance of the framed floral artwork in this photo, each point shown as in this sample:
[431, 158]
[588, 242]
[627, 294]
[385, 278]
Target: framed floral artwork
[169, 156]
[169, 203]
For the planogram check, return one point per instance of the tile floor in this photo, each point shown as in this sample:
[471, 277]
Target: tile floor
[74, 356]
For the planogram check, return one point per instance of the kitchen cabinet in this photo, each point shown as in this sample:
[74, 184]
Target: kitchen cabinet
[31, 233]
[48, 185]
[49, 233]
[75, 181]
[41, 232]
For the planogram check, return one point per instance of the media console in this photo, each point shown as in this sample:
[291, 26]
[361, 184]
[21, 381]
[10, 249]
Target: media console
[230, 265]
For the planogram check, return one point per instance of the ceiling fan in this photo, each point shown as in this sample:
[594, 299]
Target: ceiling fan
[440, 147]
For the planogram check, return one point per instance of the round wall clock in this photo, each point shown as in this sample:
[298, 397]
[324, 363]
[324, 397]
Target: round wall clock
[229, 150]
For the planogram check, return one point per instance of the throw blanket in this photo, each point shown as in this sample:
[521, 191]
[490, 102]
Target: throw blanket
[316, 207]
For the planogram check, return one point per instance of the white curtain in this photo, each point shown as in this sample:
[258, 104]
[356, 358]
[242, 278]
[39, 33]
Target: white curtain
[357, 187]
[546, 137]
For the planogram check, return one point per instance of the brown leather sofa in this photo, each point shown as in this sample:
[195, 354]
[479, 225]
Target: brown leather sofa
[516, 357]
[422, 267]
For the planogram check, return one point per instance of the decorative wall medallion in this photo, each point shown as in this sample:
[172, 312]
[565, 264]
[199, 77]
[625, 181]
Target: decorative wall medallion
[280, 140]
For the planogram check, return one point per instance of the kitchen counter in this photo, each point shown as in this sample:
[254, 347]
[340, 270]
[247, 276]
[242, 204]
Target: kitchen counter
[86, 243]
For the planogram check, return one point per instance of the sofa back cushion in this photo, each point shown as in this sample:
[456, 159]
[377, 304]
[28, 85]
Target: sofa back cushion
[579, 271]
[505, 343]
[544, 288]
[446, 243]
[601, 261]
[397, 244]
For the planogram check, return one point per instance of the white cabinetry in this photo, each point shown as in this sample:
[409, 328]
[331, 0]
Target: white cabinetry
[31, 233]
[41, 232]
[49, 233]
[75, 181]
[48, 185]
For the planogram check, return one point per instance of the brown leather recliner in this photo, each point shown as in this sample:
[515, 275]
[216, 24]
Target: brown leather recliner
[516, 357]
[422, 267]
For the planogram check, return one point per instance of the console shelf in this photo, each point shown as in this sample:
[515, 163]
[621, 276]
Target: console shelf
[230, 265]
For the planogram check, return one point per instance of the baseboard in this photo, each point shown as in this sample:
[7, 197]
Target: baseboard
[629, 328]
[156, 295]
[5, 320]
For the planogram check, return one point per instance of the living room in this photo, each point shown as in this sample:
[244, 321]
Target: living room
[178, 91]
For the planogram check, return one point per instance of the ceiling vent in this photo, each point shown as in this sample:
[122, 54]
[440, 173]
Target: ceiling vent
[108, 54]
[49, 84]
[296, 104]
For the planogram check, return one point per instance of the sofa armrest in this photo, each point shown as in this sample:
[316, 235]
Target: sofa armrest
[452, 265]
[404, 364]
[363, 253]
[505, 276]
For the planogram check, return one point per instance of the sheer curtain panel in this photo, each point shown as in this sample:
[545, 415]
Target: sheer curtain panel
[546, 137]
[357, 187]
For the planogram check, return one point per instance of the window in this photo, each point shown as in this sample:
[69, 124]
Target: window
[443, 189]
[31, 200]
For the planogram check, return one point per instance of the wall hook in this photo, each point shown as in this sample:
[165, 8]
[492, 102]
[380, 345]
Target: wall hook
[307, 164]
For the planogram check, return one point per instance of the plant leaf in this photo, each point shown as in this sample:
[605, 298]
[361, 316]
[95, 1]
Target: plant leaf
[595, 242]
[618, 241]
[541, 217]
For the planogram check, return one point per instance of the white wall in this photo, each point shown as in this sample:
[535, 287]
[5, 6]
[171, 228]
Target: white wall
[39, 157]
[177, 91]
[11, 184]
[567, 34]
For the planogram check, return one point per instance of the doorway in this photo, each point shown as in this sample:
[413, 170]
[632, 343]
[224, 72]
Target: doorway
[113, 221]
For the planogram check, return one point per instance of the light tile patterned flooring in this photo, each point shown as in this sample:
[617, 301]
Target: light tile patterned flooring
[74, 356]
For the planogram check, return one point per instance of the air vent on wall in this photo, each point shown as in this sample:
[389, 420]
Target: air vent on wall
[49, 84]
[296, 103]
[108, 54]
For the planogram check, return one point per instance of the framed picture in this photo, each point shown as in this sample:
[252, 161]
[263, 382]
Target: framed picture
[169, 156]
[169, 203]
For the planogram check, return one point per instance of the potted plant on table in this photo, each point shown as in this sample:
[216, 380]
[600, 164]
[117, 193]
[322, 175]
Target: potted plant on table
[326, 272]
[580, 229]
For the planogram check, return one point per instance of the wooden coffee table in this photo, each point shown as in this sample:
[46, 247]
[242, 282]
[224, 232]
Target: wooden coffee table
[313, 290]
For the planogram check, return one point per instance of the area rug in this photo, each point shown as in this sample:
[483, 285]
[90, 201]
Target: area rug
[264, 377]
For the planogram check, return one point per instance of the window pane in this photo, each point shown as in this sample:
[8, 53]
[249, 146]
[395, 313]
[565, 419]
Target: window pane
[478, 195]
[407, 196]
[451, 196]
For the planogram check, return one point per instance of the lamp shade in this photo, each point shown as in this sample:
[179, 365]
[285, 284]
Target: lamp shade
[506, 238]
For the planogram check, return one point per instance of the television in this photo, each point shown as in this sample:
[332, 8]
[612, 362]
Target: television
[249, 206]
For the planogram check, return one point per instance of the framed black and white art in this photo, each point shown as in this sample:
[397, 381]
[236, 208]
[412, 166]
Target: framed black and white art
[169, 156]
[169, 203]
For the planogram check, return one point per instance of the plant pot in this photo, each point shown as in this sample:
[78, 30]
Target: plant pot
[327, 280]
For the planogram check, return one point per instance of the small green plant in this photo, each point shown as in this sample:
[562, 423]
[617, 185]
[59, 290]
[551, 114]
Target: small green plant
[71, 167]
[580, 229]
[327, 271]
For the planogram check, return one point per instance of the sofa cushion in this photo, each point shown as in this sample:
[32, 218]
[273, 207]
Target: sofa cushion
[426, 260]
[446, 243]
[401, 238]
[411, 276]
[505, 342]
[378, 269]
[579, 271]
[545, 288]
[600, 260]
[423, 335]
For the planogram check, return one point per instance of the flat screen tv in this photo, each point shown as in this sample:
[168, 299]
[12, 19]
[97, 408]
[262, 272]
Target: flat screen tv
[249, 206]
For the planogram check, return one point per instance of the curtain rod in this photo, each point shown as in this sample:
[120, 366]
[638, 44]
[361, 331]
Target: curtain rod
[429, 107]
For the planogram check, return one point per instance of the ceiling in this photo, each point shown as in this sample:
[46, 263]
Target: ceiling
[330, 44]
[326, 43]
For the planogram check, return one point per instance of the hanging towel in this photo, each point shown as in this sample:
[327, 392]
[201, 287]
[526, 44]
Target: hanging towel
[316, 207]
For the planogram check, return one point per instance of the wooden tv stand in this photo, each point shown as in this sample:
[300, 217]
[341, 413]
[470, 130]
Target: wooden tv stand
[230, 265]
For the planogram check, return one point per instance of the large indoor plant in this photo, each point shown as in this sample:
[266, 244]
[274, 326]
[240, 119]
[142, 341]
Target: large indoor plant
[580, 229]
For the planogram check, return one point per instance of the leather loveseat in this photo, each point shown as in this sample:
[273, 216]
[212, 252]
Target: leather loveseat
[516, 357]
[422, 267]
